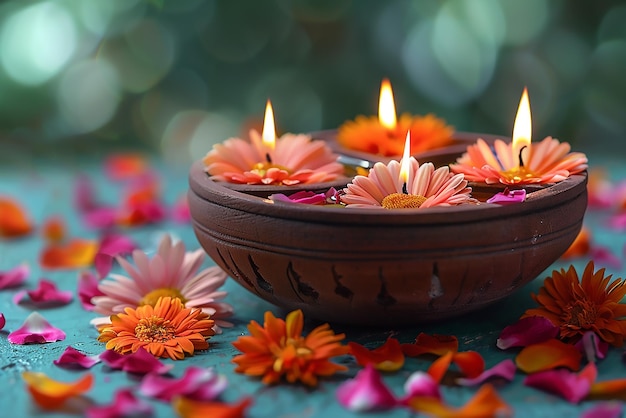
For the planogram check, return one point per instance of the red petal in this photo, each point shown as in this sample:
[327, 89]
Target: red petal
[388, 357]
[427, 344]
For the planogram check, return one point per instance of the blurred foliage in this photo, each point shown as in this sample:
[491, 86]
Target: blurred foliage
[176, 76]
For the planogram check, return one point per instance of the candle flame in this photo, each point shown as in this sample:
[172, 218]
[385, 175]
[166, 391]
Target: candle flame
[269, 130]
[386, 106]
[405, 164]
[522, 128]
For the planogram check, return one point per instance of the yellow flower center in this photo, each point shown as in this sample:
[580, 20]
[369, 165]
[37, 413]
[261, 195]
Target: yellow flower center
[152, 297]
[154, 330]
[403, 201]
[581, 314]
[292, 350]
[261, 168]
[517, 175]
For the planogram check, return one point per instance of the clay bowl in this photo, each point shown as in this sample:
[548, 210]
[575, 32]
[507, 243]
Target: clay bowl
[388, 268]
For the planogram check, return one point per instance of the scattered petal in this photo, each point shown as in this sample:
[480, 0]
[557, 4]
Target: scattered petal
[125, 166]
[431, 344]
[508, 197]
[51, 394]
[603, 255]
[470, 363]
[592, 347]
[388, 357]
[573, 387]
[110, 247]
[485, 403]
[139, 362]
[303, 196]
[3, 320]
[548, 355]
[14, 277]
[188, 408]
[439, 367]
[197, 383]
[180, 210]
[14, 221]
[36, 330]
[53, 229]
[527, 331]
[503, 370]
[603, 410]
[366, 392]
[73, 357]
[124, 405]
[609, 389]
[88, 288]
[420, 384]
[46, 294]
[76, 253]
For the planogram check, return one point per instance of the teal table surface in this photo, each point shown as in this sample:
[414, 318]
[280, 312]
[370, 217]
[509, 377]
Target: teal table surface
[47, 190]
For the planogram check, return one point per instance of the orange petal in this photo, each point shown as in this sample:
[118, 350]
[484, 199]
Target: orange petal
[388, 357]
[14, 221]
[54, 229]
[187, 408]
[51, 394]
[470, 363]
[124, 166]
[77, 253]
[485, 403]
[609, 389]
[440, 366]
[580, 246]
[431, 344]
[548, 355]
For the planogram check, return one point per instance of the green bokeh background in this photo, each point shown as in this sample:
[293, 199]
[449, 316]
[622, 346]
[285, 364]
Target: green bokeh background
[81, 77]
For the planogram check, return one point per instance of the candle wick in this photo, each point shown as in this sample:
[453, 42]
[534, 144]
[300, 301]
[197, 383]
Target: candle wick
[521, 161]
[269, 159]
[404, 190]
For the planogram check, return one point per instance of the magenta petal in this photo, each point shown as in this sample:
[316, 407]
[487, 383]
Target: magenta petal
[100, 218]
[45, 294]
[73, 357]
[618, 222]
[527, 331]
[88, 288]
[3, 321]
[366, 392]
[196, 383]
[124, 404]
[569, 385]
[139, 362]
[421, 384]
[14, 277]
[303, 196]
[36, 330]
[505, 370]
[604, 256]
[592, 346]
[110, 246]
[180, 211]
[603, 410]
[508, 197]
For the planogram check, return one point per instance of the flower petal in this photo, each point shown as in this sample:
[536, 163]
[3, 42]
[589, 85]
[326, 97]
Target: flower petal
[50, 394]
[3, 320]
[388, 357]
[46, 294]
[527, 331]
[188, 408]
[508, 197]
[139, 362]
[573, 387]
[592, 346]
[180, 210]
[73, 357]
[196, 383]
[366, 392]
[124, 404]
[604, 410]
[14, 277]
[504, 370]
[485, 403]
[548, 355]
[420, 384]
[88, 288]
[470, 363]
[14, 221]
[36, 330]
[111, 246]
[431, 344]
[53, 229]
[125, 166]
[76, 253]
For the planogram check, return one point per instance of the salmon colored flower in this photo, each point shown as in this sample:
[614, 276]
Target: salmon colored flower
[51, 394]
[166, 330]
[14, 221]
[295, 159]
[388, 357]
[589, 304]
[170, 272]
[278, 349]
[368, 135]
[188, 408]
[549, 161]
[384, 188]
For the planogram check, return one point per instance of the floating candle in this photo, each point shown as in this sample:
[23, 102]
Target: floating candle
[517, 162]
[289, 160]
[384, 134]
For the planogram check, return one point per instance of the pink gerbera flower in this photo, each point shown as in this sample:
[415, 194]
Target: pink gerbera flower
[548, 161]
[295, 159]
[425, 188]
[171, 272]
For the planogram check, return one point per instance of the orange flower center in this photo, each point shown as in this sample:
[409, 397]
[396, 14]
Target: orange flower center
[517, 175]
[402, 201]
[152, 297]
[154, 330]
[581, 314]
[292, 350]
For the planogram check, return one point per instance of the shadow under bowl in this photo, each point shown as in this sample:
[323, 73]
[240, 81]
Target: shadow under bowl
[384, 268]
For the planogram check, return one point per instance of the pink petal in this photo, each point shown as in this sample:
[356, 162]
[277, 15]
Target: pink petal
[527, 331]
[618, 222]
[139, 362]
[36, 330]
[14, 277]
[100, 218]
[73, 357]
[366, 392]
[603, 410]
[84, 200]
[45, 294]
[3, 320]
[88, 288]
[196, 383]
[604, 256]
[180, 211]
[505, 370]
[305, 197]
[508, 197]
[421, 384]
[573, 387]
[124, 404]
[111, 246]
[592, 346]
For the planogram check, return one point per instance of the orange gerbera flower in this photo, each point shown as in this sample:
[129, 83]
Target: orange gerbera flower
[166, 330]
[591, 304]
[278, 349]
[368, 135]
